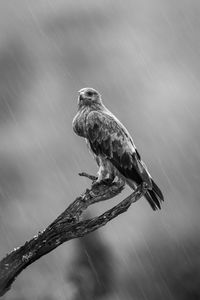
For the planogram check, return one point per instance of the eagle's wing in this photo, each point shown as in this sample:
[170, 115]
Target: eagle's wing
[109, 138]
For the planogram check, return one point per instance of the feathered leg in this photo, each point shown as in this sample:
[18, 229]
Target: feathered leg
[106, 172]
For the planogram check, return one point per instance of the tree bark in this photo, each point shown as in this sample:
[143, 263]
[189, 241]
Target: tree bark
[67, 226]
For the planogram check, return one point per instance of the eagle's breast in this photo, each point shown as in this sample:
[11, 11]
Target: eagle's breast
[79, 122]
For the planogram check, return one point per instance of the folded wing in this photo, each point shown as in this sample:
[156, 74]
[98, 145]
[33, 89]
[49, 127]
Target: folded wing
[109, 138]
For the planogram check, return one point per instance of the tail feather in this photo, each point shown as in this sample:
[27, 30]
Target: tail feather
[157, 191]
[154, 196]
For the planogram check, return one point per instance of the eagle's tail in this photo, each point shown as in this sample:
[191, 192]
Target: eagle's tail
[154, 196]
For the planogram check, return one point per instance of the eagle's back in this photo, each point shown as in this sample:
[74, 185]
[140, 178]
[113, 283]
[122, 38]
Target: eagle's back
[110, 127]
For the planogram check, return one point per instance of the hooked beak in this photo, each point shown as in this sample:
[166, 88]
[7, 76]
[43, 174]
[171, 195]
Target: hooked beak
[81, 95]
[81, 92]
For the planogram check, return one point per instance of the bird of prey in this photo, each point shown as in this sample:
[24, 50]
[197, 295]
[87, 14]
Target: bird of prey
[112, 146]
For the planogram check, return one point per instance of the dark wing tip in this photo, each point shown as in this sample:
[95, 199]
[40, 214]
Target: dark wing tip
[154, 196]
[153, 200]
[156, 189]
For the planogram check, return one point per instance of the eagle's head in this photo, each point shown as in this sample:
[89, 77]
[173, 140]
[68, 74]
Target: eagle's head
[88, 97]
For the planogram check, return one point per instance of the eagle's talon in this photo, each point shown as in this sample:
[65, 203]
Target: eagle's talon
[95, 184]
[107, 181]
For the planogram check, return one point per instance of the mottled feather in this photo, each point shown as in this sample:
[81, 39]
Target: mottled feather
[109, 138]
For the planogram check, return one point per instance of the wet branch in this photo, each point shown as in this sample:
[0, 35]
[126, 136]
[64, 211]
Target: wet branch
[67, 226]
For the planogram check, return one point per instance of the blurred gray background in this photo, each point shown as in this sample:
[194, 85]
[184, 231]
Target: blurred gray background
[144, 58]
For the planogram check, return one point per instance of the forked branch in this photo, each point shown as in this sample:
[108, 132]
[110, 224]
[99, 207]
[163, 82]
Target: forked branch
[67, 226]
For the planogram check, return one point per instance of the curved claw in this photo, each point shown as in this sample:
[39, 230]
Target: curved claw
[107, 181]
[95, 184]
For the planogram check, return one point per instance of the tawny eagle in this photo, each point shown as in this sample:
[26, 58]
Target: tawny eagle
[112, 145]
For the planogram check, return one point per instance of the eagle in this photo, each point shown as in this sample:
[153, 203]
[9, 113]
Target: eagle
[112, 146]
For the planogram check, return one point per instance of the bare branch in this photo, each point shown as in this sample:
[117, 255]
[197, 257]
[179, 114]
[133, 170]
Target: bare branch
[67, 226]
[92, 177]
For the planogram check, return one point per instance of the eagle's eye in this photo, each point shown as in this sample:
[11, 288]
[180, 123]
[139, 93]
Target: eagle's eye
[89, 93]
